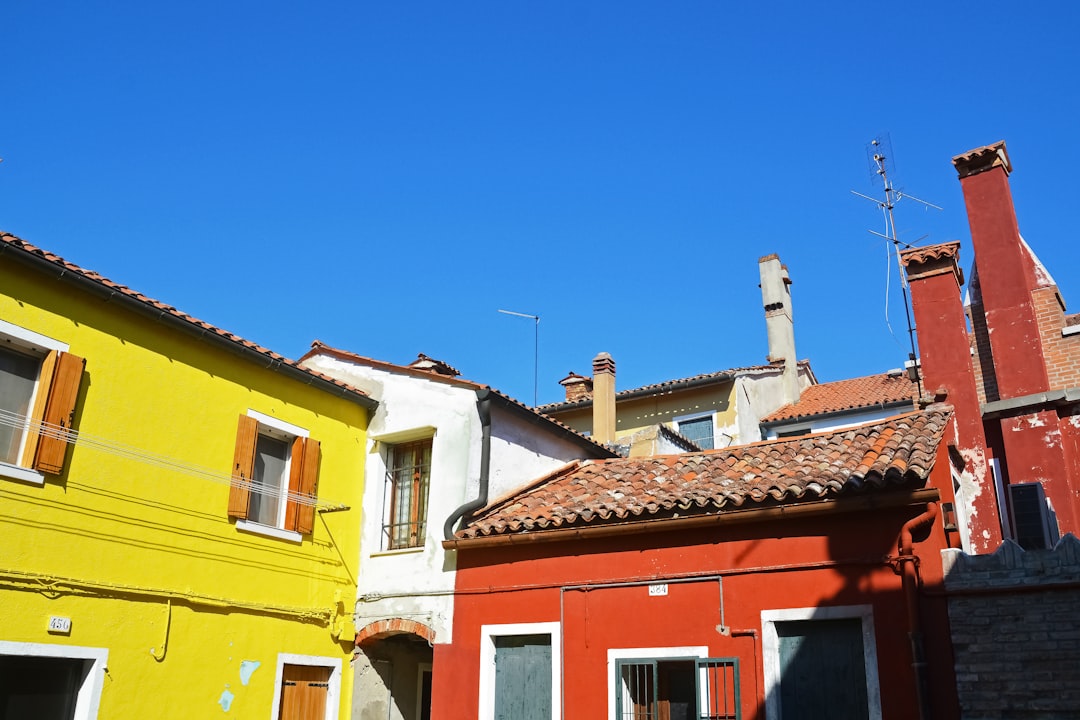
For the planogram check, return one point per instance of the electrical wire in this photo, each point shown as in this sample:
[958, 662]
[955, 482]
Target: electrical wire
[164, 462]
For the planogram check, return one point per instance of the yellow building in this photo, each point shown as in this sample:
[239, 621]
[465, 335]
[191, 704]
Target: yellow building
[179, 510]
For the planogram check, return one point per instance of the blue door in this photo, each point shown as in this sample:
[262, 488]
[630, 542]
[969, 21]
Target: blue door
[822, 670]
[523, 677]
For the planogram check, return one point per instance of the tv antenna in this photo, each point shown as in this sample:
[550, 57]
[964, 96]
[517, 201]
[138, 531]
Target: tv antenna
[536, 344]
[879, 152]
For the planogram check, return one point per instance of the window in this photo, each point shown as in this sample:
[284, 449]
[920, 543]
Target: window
[820, 662]
[698, 429]
[408, 473]
[39, 383]
[677, 689]
[45, 681]
[520, 671]
[275, 476]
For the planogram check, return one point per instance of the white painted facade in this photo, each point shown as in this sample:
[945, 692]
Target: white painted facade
[417, 583]
[837, 421]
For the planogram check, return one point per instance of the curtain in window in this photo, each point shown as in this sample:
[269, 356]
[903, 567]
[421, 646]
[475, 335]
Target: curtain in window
[18, 374]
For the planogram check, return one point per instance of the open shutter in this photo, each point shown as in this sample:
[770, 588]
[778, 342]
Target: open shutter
[61, 374]
[247, 432]
[303, 482]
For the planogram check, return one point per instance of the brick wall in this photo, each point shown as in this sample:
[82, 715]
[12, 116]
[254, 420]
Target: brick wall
[1015, 623]
[982, 357]
[1062, 353]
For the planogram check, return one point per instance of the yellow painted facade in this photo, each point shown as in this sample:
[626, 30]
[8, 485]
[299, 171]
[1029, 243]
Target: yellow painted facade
[177, 610]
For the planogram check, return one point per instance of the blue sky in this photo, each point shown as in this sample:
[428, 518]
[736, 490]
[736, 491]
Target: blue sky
[385, 176]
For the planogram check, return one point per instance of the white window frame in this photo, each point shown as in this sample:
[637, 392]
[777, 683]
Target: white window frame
[651, 653]
[770, 650]
[488, 633]
[282, 430]
[88, 698]
[333, 692]
[27, 341]
[711, 415]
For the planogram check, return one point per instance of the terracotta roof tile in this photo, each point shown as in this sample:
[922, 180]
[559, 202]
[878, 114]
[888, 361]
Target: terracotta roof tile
[320, 348]
[871, 457]
[884, 390]
[8, 240]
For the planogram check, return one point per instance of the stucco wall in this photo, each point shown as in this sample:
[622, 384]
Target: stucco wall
[417, 583]
[133, 543]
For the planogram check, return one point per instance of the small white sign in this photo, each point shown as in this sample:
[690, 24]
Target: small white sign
[59, 624]
[658, 590]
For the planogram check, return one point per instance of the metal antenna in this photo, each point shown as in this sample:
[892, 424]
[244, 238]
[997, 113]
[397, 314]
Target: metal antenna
[536, 344]
[879, 163]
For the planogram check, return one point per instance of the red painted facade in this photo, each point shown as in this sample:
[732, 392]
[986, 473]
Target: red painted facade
[596, 589]
[1010, 378]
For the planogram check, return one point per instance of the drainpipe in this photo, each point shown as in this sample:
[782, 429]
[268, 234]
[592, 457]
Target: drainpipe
[483, 409]
[910, 574]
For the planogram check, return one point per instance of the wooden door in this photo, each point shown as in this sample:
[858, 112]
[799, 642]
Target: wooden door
[303, 692]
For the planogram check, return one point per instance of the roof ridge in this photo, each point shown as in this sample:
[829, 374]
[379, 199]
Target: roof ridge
[185, 320]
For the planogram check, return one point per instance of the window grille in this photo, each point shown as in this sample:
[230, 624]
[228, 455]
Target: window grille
[677, 689]
[700, 430]
[408, 473]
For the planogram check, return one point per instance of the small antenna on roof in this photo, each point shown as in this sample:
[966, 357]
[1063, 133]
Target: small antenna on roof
[878, 153]
[536, 344]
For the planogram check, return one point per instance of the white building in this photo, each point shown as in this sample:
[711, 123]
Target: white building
[439, 448]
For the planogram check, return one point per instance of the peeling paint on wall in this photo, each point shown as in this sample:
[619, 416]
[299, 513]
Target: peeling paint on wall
[247, 667]
[225, 701]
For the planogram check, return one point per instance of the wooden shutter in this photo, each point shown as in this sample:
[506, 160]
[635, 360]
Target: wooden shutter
[303, 481]
[247, 432]
[61, 374]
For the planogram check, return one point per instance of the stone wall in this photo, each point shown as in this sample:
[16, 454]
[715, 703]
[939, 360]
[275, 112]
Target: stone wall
[1015, 619]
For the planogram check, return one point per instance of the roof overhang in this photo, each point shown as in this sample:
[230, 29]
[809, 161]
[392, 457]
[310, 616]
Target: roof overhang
[854, 503]
[189, 327]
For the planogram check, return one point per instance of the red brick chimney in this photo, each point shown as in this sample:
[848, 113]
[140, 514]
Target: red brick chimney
[578, 387]
[1032, 433]
[1006, 271]
[935, 279]
[603, 430]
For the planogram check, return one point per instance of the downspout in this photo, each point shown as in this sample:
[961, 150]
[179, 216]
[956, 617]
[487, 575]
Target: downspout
[909, 570]
[483, 409]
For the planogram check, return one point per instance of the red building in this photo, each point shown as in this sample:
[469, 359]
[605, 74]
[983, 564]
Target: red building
[772, 580]
[1009, 363]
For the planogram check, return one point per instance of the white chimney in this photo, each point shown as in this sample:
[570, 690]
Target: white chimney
[779, 324]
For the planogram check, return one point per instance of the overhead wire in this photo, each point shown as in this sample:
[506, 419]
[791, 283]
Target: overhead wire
[165, 462]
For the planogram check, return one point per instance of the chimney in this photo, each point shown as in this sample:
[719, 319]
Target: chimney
[1006, 272]
[603, 430]
[779, 324]
[934, 278]
[578, 387]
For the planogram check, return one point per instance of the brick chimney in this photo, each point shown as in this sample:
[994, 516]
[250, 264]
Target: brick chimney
[934, 277]
[578, 387]
[1032, 435]
[603, 430]
[1006, 272]
[779, 322]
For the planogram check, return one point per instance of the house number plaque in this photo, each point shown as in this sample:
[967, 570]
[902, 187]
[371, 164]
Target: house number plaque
[658, 590]
[59, 624]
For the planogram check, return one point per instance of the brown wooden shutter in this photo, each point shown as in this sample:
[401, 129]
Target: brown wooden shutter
[304, 481]
[61, 392]
[247, 432]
